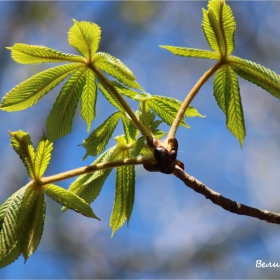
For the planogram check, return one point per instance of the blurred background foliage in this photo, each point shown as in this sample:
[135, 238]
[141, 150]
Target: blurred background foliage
[173, 232]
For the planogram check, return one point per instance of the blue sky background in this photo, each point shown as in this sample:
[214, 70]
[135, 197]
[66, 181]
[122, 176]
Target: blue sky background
[173, 232]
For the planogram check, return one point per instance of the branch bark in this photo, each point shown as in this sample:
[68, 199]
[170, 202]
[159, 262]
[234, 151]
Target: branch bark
[227, 204]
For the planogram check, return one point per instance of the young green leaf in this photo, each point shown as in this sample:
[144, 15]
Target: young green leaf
[31, 220]
[111, 98]
[21, 143]
[257, 74]
[98, 139]
[88, 99]
[59, 121]
[124, 90]
[88, 186]
[7, 258]
[32, 54]
[137, 147]
[219, 27]
[166, 108]
[158, 133]
[220, 82]
[182, 51]
[115, 68]
[9, 235]
[85, 37]
[130, 130]
[28, 93]
[209, 33]
[124, 196]
[146, 114]
[226, 92]
[154, 125]
[69, 199]
[42, 156]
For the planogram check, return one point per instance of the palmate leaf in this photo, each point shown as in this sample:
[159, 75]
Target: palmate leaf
[21, 143]
[85, 37]
[28, 93]
[9, 235]
[88, 99]
[115, 68]
[226, 92]
[32, 54]
[31, 220]
[42, 156]
[167, 107]
[98, 139]
[88, 186]
[69, 199]
[59, 121]
[188, 52]
[124, 195]
[257, 74]
[219, 27]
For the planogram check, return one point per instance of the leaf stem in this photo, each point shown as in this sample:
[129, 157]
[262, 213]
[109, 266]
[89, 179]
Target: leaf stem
[91, 168]
[106, 83]
[190, 96]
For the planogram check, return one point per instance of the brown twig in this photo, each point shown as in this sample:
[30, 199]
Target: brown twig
[227, 204]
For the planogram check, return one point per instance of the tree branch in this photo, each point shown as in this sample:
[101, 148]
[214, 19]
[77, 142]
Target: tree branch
[92, 168]
[108, 85]
[227, 204]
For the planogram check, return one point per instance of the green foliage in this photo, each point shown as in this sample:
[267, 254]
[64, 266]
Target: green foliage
[22, 215]
[28, 93]
[26, 54]
[59, 121]
[257, 74]
[111, 98]
[35, 163]
[85, 37]
[124, 196]
[22, 218]
[219, 27]
[98, 139]
[31, 220]
[88, 98]
[9, 234]
[42, 156]
[181, 51]
[88, 186]
[130, 131]
[226, 92]
[167, 107]
[69, 200]
[115, 68]
[21, 143]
